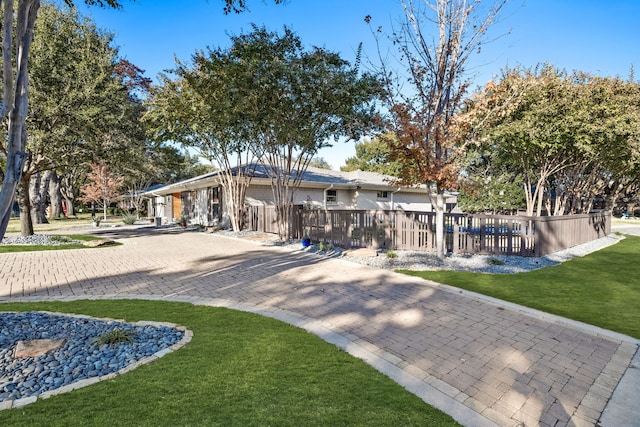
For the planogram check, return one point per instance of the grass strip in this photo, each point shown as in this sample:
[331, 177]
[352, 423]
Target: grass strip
[240, 369]
[601, 289]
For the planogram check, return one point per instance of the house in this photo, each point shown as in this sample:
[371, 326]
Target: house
[201, 198]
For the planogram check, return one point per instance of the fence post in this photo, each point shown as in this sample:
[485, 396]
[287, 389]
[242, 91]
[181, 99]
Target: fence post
[496, 236]
[510, 237]
[374, 230]
[483, 230]
[456, 247]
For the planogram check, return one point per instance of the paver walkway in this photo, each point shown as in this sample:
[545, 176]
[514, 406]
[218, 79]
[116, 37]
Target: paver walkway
[485, 362]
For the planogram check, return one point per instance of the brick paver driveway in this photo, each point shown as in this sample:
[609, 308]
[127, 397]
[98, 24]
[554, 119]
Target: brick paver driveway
[483, 361]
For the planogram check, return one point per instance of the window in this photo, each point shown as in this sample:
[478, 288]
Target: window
[332, 196]
[383, 195]
[214, 195]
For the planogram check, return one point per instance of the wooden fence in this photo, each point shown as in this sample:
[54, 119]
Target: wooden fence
[464, 234]
[261, 218]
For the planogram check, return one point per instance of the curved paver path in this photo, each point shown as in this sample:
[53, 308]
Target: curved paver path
[483, 361]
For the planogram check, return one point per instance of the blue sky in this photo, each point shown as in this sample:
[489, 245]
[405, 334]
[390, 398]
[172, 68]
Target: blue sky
[600, 37]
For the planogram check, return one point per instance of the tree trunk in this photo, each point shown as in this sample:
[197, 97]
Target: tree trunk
[14, 103]
[7, 193]
[24, 202]
[12, 177]
[439, 207]
[38, 191]
[55, 196]
[67, 191]
[232, 205]
[69, 204]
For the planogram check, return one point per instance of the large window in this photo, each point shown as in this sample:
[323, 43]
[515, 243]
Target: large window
[332, 197]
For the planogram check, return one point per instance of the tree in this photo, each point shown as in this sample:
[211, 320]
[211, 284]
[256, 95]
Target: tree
[489, 182]
[202, 109]
[80, 107]
[319, 162]
[103, 187]
[571, 137]
[264, 98]
[14, 106]
[372, 155]
[422, 111]
[299, 102]
[14, 103]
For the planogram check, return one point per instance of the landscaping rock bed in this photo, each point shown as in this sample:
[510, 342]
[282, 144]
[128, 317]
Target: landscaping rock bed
[80, 358]
[39, 239]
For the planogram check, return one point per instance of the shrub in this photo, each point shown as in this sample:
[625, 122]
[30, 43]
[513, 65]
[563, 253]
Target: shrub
[58, 238]
[391, 254]
[129, 218]
[115, 336]
[495, 261]
[325, 247]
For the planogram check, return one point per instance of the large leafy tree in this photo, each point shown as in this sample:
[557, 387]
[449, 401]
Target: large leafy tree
[202, 108]
[607, 129]
[435, 39]
[16, 32]
[81, 108]
[489, 183]
[263, 99]
[300, 101]
[17, 35]
[570, 137]
[526, 129]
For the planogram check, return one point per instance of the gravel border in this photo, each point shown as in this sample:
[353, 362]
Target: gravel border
[416, 260]
[39, 239]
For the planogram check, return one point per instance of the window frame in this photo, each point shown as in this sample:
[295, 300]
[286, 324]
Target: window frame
[382, 195]
[331, 199]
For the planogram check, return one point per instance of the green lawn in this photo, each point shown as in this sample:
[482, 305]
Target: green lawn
[81, 220]
[240, 369]
[33, 248]
[602, 288]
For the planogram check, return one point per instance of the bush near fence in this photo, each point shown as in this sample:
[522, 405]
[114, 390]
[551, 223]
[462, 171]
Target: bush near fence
[465, 234]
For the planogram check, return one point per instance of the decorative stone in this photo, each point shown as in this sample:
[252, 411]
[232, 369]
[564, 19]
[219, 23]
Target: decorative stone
[35, 348]
[361, 253]
[96, 243]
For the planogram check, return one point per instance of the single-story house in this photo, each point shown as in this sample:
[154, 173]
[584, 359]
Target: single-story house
[200, 199]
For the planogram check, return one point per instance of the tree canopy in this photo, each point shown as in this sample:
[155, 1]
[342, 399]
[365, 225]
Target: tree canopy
[16, 48]
[265, 99]
[306, 100]
[82, 109]
[570, 137]
[372, 155]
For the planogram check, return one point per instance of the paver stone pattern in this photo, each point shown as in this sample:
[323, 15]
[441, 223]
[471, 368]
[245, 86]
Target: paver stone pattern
[509, 366]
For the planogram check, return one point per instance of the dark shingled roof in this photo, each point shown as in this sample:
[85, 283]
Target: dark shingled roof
[311, 175]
